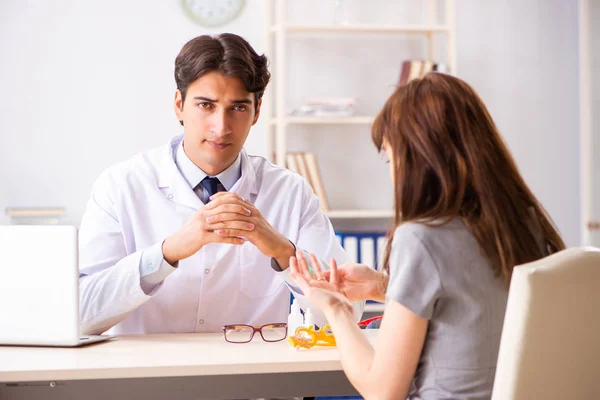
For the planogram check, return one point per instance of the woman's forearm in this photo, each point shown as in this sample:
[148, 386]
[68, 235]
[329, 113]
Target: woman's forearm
[356, 352]
[380, 288]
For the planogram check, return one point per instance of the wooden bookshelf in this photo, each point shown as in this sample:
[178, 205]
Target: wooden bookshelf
[307, 120]
[374, 29]
[374, 308]
[359, 214]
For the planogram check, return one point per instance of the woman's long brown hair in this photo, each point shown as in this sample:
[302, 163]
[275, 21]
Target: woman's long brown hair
[450, 161]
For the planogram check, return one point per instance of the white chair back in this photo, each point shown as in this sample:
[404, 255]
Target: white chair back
[550, 346]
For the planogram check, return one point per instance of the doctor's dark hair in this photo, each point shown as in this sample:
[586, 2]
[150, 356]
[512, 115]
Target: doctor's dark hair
[227, 53]
[449, 161]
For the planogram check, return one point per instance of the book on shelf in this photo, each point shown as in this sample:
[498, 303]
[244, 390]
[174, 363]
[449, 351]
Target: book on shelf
[302, 168]
[443, 68]
[315, 179]
[365, 248]
[350, 244]
[290, 163]
[404, 72]
[34, 216]
[327, 107]
[305, 164]
[427, 67]
[416, 66]
[413, 69]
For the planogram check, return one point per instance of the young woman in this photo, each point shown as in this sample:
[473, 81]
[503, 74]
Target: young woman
[464, 218]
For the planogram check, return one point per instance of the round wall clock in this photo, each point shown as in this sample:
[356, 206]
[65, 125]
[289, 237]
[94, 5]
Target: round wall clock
[213, 13]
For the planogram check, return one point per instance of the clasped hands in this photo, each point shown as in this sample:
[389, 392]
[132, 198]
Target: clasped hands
[227, 218]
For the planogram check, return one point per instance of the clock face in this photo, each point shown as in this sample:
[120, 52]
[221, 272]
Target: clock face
[213, 12]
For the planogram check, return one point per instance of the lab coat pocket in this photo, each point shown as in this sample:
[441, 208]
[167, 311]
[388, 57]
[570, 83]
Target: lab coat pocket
[258, 279]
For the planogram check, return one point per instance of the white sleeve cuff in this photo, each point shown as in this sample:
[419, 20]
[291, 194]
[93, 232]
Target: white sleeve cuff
[153, 268]
[285, 274]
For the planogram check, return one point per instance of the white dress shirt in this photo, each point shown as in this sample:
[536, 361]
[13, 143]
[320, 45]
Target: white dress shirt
[194, 175]
[136, 204]
[153, 267]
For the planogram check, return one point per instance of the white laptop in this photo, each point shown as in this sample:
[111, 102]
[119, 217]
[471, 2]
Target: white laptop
[39, 287]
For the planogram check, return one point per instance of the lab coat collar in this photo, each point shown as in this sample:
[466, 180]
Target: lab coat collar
[177, 189]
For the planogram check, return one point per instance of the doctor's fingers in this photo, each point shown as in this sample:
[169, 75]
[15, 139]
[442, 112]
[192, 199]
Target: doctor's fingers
[228, 216]
[221, 197]
[229, 198]
[226, 208]
[231, 232]
[237, 225]
[214, 238]
[228, 195]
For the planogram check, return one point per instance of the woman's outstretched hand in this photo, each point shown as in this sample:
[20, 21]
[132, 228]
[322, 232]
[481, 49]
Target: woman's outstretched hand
[323, 292]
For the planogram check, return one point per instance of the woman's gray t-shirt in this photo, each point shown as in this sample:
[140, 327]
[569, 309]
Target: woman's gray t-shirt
[440, 273]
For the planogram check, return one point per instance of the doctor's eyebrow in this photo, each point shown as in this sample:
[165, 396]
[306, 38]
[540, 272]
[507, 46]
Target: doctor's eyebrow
[205, 99]
[241, 101]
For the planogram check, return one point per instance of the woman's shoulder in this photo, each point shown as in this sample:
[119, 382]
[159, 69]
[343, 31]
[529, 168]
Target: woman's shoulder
[431, 232]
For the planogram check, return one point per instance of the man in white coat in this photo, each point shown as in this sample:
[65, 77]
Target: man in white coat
[198, 234]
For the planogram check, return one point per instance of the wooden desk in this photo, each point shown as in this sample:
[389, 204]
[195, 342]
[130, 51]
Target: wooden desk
[178, 366]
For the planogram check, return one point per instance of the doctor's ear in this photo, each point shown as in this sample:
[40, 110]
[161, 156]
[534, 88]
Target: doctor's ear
[257, 112]
[178, 106]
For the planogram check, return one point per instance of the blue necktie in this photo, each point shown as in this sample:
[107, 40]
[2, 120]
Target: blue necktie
[212, 185]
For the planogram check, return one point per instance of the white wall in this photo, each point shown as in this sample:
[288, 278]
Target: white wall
[594, 38]
[86, 84]
[522, 57]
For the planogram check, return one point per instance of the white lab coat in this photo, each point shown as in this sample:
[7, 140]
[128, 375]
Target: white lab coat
[138, 203]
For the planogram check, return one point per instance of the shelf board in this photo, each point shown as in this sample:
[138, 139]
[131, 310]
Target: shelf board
[418, 29]
[353, 120]
[374, 307]
[359, 214]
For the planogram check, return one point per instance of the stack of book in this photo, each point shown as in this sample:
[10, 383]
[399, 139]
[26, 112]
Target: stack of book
[327, 107]
[306, 165]
[35, 216]
[412, 69]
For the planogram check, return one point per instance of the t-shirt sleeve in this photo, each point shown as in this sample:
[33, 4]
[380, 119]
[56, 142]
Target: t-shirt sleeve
[414, 277]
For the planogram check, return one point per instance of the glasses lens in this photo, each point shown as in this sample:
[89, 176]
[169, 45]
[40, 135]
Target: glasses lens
[238, 333]
[274, 332]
